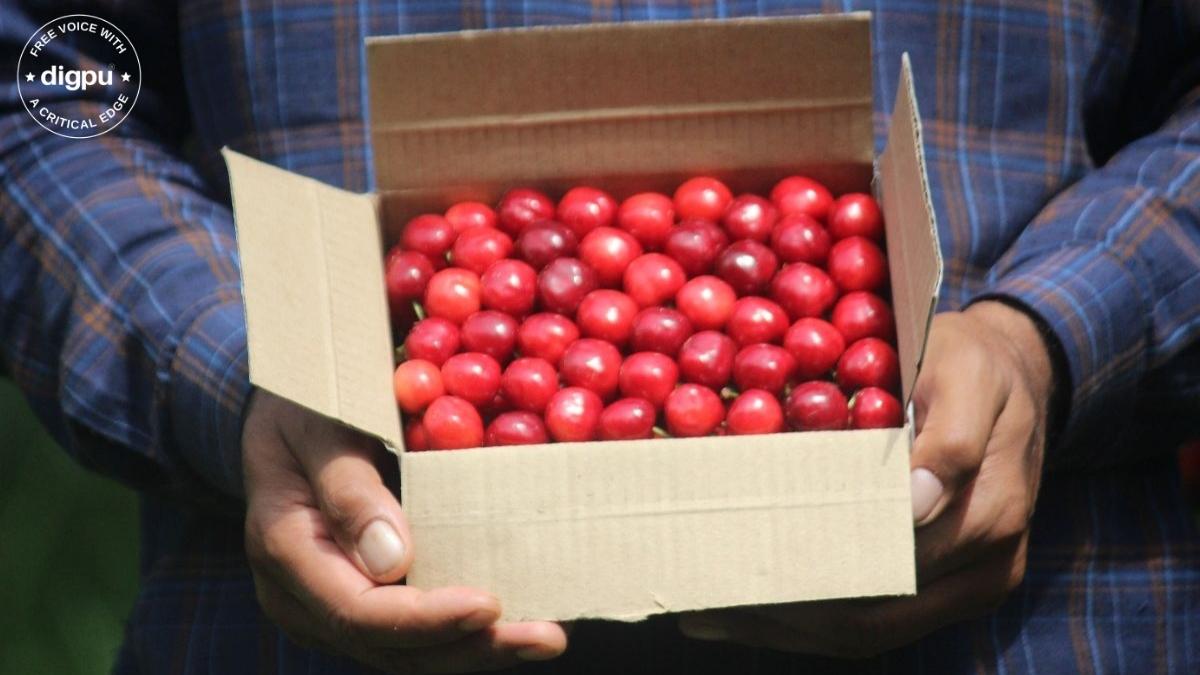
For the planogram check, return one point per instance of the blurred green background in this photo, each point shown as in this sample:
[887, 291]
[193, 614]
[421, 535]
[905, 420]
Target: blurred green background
[68, 553]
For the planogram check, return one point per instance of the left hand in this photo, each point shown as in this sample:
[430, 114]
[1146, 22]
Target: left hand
[981, 401]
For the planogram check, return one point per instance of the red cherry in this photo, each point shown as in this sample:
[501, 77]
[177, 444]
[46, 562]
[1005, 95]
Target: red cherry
[861, 314]
[755, 320]
[799, 194]
[874, 408]
[452, 423]
[522, 207]
[452, 294]
[542, 243]
[417, 382]
[649, 217]
[433, 339]
[649, 375]
[517, 427]
[428, 234]
[477, 248]
[816, 345]
[583, 209]
[472, 376]
[509, 286]
[573, 414]
[563, 283]
[492, 333]
[406, 274]
[750, 217]
[707, 358]
[659, 329]
[800, 238]
[652, 279]
[695, 245]
[607, 315]
[609, 251]
[497, 406]
[755, 411]
[856, 215]
[628, 419]
[528, 383]
[857, 264]
[693, 410]
[803, 290]
[747, 265]
[592, 364]
[706, 301]
[416, 438]
[817, 405]
[702, 197]
[547, 336]
[870, 362]
[763, 366]
[466, 215]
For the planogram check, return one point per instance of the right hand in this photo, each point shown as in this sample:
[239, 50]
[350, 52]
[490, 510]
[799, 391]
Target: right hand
[327, 542]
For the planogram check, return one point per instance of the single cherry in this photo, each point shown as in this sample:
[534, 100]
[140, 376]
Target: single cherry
[861, 314]
[609, 251]
[870, 362]
[522, 207]
[817, 406]
[517, 427]
[583, 209]
[754, 411]
[755, 319]
[702, 197]
[628, 419]
[750, 217]
[416, 438]
[693, 410]
[528, 383]
[652, 279]
[491, 333]
[547, 336]
[816, 345]
[406, 274]
[428, 234]
[543, 242]
[660, 329]
[856, 215]
[706, 301]
[763, 366]
[509, 286]
[695, 245]
[452, 423]
[433, 339]
[707, 358]
[466, 215]
[417, 382]
[857, 264]
[649, 375]
[803, 290]
[649, 217]
[563, 283]
[452, 294]
[592, 364]
[800, 194]
[606, 314]
[874, 408]
[573, 414]
[747, 265]
[477, 248]
[472, 376]
[800, 238]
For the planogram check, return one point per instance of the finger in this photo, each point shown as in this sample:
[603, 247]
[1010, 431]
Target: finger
[501, 646]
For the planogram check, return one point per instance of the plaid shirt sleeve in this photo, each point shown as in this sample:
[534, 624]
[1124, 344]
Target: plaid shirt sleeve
[120, 309]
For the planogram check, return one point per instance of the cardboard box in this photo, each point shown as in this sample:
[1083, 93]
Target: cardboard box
[616, 530]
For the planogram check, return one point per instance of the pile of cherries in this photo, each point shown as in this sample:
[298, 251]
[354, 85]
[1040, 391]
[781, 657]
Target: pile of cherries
[695, 315]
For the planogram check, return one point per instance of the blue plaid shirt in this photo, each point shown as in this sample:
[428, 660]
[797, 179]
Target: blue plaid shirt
[1063, 148]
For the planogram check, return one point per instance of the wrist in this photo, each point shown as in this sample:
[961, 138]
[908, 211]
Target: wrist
[1027, 342]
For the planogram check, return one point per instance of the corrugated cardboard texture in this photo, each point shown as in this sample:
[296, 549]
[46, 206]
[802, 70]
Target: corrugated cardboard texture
[913, 253]
[316, 312]
[625, 530]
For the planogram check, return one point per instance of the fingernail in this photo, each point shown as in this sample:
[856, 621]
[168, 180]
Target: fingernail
[926, 491]
[699, 630]
[381, 548]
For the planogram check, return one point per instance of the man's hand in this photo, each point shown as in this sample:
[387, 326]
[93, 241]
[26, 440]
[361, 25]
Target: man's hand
[327, 541]
[981, 401]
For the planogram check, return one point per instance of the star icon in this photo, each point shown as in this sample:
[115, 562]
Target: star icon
[29, 77]
[124, 77]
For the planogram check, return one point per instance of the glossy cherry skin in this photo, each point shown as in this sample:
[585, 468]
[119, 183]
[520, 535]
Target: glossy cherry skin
[466, 215]
[416, 438]
[861, 314]
[754, 411]
[477, 248]
[433, 339]
[817, 405]
[702, 197]
[816, 346]
[547, 336]
[857, 264]
[573, 414]
[628, 419]
[750, 217]
[428, 234]
[609, 251]
[472, 376]
[870, 362]
[695, 245]
[452, 294]
[763, 366]
[803, 290]
[592, 364]
[563, 283]
[707, 358]
[707, 302]
[517, 427]
[874, 408]
[406, 274]
[542, 243]
[800, 194]
[755, 319]
[800, 238]
[509, 286]
[693, 410]
[528, 383]
[856, 215]
[522, 207]
[660, 329]
[747, 266]
[491, 333]
[416, 383]
[652, 279]
[606, 314]
[649, 217]
[452, 423]
[583, 209]
[650, 376]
